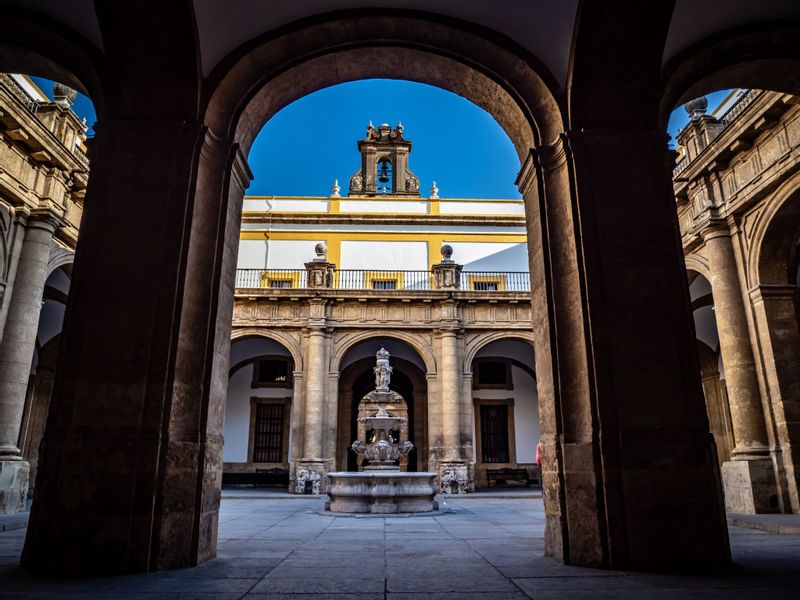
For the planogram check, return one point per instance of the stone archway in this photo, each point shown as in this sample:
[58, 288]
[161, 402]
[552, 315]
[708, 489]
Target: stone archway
[355, 380]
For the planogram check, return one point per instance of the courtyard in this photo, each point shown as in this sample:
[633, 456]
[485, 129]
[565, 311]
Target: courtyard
[479, 547]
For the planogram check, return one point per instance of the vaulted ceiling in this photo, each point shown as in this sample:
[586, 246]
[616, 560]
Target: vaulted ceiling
[543, 27]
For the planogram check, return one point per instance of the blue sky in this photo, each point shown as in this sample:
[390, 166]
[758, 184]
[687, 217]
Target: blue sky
[311, 142]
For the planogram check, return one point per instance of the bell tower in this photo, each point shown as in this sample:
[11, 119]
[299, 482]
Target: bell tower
[384, 165]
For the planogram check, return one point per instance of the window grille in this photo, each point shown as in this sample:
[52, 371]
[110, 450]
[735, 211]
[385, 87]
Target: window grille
[268, 441]
[494, 433]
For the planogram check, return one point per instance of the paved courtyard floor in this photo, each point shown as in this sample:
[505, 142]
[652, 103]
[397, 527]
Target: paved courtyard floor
[281, 549]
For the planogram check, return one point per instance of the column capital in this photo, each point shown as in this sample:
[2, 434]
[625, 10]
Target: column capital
[714, 227]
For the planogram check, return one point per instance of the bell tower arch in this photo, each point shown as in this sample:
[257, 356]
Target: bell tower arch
[384, 164]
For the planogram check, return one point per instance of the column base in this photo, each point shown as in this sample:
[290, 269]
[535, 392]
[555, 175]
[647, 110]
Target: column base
[454, 476]
[14, 477]
[750, 486]
[310, 477]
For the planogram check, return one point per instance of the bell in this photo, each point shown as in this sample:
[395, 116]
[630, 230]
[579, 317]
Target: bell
[383, 173]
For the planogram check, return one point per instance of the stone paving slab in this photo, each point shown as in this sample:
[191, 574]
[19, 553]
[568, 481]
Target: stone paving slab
[485, 548]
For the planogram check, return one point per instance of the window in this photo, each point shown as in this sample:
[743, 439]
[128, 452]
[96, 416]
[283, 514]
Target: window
[268, 434]
[384, 284]
[493, 374]
[280, 283]
[486, 282]
[272, 372]
[494, 433]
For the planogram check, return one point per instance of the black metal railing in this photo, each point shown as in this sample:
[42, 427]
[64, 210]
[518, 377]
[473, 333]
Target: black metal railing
[352, 279]
[362, 279]
[271, 278]
[496, 281]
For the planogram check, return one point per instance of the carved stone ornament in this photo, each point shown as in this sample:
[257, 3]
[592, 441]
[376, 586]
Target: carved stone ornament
[356, 183]
[304, 478]
[412, 184]
[454, 479]
[383, 371]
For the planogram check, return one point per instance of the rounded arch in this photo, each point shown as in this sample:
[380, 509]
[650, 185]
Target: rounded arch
[698, 264]
[773, 250]
[762, 56]
[416, 342]
[475, 345]
[284, 339]
[260, 78]
[36, 45]
[59, 257]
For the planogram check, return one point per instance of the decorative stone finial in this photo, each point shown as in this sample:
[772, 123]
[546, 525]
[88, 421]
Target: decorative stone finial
[64, 95]
[447, 253]
[321, 251]
[336, 189]
[400, 127]
[434, 191]
[696, 108]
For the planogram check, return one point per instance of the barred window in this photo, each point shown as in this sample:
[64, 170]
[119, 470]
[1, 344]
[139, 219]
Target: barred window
[494, 433]
[384, 284]
[485, 286]
[280, 283]
[268, 442]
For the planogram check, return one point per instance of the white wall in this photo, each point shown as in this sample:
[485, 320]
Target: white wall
[275, 254]
[491, 256]
[383, 206]
[450, 207]
[390, 256]
[396, 348]
[526, 400]
[237, 412]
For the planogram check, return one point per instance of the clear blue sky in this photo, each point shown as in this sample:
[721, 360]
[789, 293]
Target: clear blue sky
[457, 144]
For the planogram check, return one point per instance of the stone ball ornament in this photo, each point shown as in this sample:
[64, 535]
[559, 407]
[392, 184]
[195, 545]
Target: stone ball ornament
[321, 250]
[696, 108]
[447, 253]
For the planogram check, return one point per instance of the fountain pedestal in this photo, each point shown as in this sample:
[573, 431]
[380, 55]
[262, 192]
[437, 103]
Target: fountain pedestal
[382, 488]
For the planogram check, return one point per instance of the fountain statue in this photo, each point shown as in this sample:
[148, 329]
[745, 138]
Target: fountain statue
[382, 487]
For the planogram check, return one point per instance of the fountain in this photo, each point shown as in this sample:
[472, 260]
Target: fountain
[381, 488]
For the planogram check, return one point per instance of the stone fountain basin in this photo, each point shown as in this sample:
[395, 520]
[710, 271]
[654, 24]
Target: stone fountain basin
[383, 423]
[381, 492]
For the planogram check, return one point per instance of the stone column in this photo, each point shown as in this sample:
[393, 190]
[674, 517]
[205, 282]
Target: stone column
[311, 468]
[16, 354]
[16, 236]
[452, 469]
[139, 398]
[748, 479]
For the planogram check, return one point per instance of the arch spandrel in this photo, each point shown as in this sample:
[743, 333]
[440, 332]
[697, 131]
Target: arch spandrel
[416, 341]
[286, 340]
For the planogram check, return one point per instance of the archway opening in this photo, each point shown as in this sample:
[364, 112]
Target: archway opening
[258, 414]
[506, 414]
[356, 380]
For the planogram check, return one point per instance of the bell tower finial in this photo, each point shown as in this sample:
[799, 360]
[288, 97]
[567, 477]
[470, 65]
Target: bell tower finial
[384, 164]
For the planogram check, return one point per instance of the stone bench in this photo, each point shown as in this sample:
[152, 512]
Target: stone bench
[503, 476]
